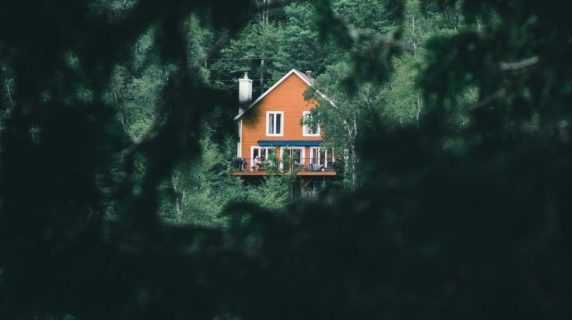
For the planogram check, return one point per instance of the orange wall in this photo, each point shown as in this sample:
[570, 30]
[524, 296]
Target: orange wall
[288, 97]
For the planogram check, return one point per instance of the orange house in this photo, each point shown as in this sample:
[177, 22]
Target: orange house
[272, 134]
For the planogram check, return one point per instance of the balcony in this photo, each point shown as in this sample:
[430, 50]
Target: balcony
[300, 167]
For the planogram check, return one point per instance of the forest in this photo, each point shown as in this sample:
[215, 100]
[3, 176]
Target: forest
[118, 144]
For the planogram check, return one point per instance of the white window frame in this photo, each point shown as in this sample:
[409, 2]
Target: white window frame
[281, 133]
[302, 155]
[326, 152]
[306, 128]
[261, 150]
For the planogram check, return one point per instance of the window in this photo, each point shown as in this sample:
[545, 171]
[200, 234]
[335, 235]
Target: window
[308, 128]
[266, 154]
[292, 158]
[321, 156]
[294, 154]
[274, 123]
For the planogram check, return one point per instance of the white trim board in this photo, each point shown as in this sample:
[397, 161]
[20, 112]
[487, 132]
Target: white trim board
[239, 149]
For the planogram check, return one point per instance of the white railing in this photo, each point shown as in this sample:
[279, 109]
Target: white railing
[284, 165]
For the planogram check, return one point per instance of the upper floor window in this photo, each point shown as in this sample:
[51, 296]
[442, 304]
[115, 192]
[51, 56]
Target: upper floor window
[274, 123]
[308, 127]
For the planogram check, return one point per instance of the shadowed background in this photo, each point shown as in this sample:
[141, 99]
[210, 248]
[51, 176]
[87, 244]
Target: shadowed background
[451, 221]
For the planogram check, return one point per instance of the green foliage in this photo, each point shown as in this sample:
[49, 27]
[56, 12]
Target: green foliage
[257, 41]
[401, 100]
[464, 212]
[343, 115]
[200, 38]
[275, 192]
[62, 144]
[283, 44]
[198, 191]
[368, 16]
[8, 83]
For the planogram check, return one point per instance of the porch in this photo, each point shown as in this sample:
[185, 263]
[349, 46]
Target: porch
[300, 167]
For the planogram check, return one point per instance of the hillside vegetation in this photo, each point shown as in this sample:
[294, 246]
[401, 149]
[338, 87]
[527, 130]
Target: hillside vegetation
[117, 145]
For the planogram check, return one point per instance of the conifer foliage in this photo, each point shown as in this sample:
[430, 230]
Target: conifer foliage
[115, 198]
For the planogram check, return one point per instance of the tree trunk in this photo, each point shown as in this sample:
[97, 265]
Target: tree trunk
[178, 210]
[414, 36]
[418, 110]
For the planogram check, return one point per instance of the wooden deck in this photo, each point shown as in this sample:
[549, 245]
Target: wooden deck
[327, 173]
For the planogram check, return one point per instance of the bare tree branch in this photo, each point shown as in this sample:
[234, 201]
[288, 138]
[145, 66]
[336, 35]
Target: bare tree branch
[522, 64]
[487, 100]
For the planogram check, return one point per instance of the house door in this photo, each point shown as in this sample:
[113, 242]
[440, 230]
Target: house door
[321, 157]
[266, 154]
[292, 158]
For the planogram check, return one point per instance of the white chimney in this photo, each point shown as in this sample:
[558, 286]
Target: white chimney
[244, 92]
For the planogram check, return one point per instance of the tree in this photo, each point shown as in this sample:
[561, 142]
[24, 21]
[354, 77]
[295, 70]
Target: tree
[342, 115]
[198, 190]
[62, 141]
[269, 49]
[456, 219]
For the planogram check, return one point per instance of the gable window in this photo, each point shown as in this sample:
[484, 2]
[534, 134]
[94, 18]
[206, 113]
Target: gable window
[274, 123]
[309, 129]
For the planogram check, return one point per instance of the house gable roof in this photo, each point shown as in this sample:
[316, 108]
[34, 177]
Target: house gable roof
[308, 80]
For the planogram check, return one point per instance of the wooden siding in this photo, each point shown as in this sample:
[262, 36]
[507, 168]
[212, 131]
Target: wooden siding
[288, 97]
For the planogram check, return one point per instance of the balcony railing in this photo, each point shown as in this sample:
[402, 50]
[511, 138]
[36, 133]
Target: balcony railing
[286, 165]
